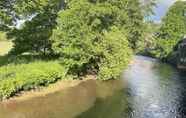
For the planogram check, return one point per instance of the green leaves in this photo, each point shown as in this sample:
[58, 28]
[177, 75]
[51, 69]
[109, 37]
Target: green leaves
[116, 54]
[172, 30]
[33, 36]
[82, 40]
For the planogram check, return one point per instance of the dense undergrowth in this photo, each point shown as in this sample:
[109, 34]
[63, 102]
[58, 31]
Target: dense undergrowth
[16, 78]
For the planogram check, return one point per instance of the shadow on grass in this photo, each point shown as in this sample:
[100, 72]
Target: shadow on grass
[24, 59]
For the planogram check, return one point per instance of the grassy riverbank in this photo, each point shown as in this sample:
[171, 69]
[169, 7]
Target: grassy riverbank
[83, 39]
[23, 77]
[30, 72]
[23, 73]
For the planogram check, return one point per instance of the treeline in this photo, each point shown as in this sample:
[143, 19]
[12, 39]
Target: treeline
[171, 32]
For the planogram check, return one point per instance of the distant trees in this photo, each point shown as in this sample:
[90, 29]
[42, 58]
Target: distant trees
[172, 29]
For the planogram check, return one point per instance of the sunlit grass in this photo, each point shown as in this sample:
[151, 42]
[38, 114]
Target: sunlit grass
[5, 47]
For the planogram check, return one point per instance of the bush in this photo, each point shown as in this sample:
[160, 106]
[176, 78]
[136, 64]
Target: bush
[116, 55]
[89, 37]
[15, 78]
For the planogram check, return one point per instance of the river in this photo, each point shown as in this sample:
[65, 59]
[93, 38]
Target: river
[148, 89]
[154, 90]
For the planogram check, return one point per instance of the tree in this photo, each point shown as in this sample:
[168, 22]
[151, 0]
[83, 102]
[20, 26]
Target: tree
[91, 36]
[148, 7]
[172, 30]
[135, 23]
[34, 34]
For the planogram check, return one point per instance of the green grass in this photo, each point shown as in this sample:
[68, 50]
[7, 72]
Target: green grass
[23, 77]
[26, 72]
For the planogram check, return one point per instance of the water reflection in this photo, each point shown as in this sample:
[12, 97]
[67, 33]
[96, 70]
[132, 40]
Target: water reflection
[67, 103]
[149, 89]
[154, 90]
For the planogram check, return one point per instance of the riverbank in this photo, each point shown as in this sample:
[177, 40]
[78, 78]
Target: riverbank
[66, 98]
[44, 91]
[31, 71]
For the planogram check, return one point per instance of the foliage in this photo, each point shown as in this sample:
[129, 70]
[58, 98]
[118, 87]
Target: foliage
[12, 10]
[15, 78]
[42, 15]
[39, 18]
[81, 39]
[3, 36]
[33, 35]
[147, 7]
[135, 23]
[172, 30]
[116, 54]
[149, 38]
[89, 36]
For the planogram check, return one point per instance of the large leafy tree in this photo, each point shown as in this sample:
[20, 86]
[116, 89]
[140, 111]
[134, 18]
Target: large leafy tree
[135, 23]
[172, 30]
[40, 19]
[93, 35]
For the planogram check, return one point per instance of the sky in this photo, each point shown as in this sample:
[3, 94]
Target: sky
[161, 9]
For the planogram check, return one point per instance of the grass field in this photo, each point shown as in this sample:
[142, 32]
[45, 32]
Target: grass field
[5, 47]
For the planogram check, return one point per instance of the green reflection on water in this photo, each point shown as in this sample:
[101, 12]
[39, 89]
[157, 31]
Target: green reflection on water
[115, 106]
[91, 96]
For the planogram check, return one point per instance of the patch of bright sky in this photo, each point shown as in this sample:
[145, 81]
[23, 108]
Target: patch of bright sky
[161, 9]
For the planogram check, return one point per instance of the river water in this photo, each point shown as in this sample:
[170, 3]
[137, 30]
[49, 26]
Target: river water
[148, 89]
[154, 90]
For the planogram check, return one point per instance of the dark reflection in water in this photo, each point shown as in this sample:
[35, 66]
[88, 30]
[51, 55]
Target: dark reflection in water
[154, 90]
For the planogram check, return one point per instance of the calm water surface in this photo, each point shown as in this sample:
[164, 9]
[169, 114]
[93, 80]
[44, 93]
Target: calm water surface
[148, 89]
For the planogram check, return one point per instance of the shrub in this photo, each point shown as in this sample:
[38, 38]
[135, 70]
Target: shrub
[116, 55]
[15, 78]
[89, 37]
